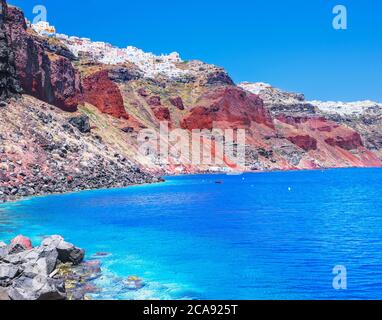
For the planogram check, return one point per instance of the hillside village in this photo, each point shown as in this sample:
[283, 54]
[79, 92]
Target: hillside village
[151, 65]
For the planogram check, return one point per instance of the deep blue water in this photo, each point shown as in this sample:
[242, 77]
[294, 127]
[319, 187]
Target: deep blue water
[256, 236]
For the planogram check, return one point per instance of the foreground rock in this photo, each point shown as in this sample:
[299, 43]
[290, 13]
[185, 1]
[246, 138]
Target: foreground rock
[52, 271]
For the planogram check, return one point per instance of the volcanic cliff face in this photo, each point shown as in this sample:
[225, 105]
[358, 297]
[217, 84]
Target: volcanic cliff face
[9, 86]
[365, 117]
[229, 107]
[79, 124]
[46, 145]
[41, 68]
[359, 122]
[100, 91]
[280, 102]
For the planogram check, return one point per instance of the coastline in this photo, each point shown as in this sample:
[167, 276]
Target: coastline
[266, 171]
[162, 179]
[22, 198]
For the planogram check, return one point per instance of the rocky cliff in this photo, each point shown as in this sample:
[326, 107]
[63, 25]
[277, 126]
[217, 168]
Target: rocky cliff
[363, 117]
[9, 85]
[46, 150]
[42, 68]
[84, 107]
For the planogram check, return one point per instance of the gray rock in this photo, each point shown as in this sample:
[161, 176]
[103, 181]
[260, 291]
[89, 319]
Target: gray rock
[37, 273]
[14, 259]
[7, 273]
[40, 261]
[124, 74]
[67, 252]
[82, 123]
[37, 288]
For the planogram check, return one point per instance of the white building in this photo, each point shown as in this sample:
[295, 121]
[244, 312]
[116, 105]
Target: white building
[150, 64]
[43, 28]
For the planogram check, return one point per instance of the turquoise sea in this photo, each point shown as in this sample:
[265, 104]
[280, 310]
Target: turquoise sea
[271, 235]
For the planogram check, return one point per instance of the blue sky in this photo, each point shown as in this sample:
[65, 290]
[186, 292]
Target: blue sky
[290, 44]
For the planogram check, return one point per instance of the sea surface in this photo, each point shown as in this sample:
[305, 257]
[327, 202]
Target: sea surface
[254, 236]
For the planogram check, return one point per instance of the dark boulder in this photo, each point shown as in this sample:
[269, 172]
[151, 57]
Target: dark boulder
[128, 129]
[82, 123]
[177, 102]
[124, 74]
[67, 252]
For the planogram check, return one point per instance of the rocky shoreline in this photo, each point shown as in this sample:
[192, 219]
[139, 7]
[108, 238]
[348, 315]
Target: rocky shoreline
[6, 197]
[55, 270]
[56, 154]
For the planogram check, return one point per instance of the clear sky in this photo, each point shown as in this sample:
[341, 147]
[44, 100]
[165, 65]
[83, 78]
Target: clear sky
[290, 44]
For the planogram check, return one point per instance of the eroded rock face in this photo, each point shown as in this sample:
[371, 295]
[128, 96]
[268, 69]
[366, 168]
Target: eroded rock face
[45, 75]
[103, 93]
[349, 142]
[154, 101]
[162, 113]
[365, 117]
[177, 102]
[9, 85]
[218, 77]
[280, 102]
[304, 142]
[229, 106]
[124, 74]
[207, 75]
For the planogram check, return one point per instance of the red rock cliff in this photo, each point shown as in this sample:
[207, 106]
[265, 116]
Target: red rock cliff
[103, 93]
[45, 75]
[9, 86]
[227, 105]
